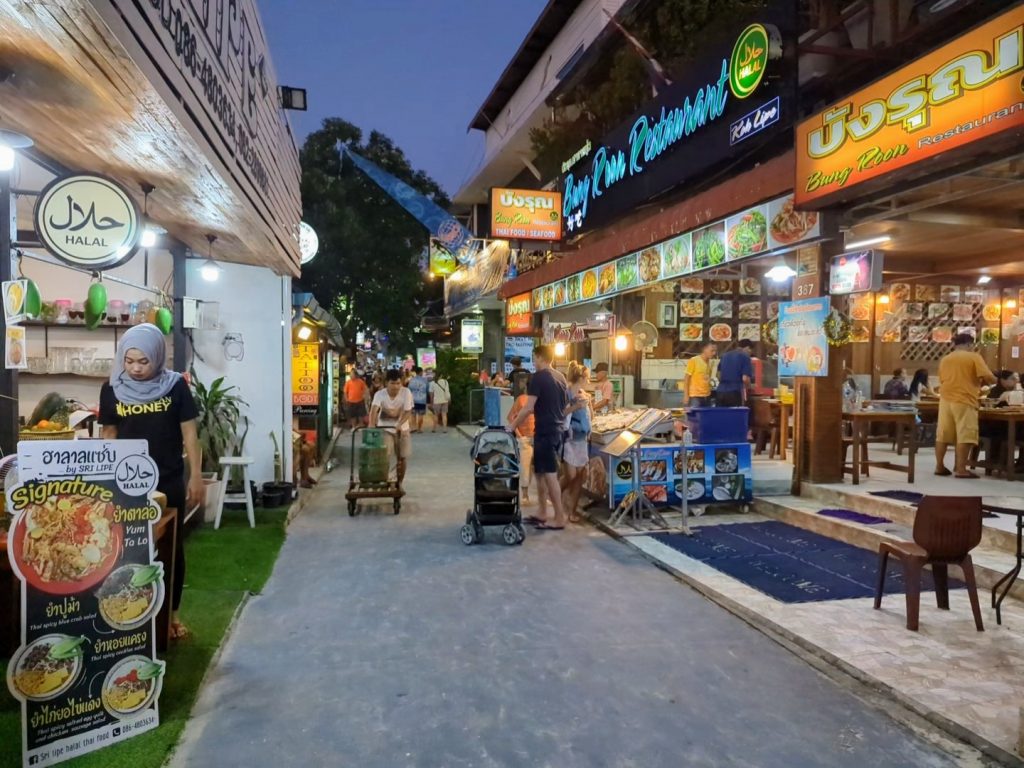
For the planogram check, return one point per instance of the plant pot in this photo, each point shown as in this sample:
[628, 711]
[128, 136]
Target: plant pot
[276, 494]
[239, 488]
[212, 494]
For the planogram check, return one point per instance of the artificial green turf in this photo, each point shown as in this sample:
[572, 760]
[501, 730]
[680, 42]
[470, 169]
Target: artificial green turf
[222, 566]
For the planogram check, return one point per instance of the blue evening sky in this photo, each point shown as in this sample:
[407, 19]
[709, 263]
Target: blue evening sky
[416, 70]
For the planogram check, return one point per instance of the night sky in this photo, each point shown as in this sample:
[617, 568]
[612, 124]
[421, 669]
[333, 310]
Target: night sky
[416, 70]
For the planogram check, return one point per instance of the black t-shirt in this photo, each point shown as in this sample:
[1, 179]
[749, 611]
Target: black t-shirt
[158, 422]
[551, 401]
[520, 381]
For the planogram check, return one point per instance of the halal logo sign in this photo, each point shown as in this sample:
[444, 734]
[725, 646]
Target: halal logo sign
[88, 221]
[749, 60]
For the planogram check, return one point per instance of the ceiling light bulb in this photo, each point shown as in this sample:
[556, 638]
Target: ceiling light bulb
[560, 349]
[883, 299]
[621, 343]
[305, 332]
[1010, 304]
[869, 241]
[210, 272]
[984, 280]
[148, 239]
[780, 272]
[6, 158]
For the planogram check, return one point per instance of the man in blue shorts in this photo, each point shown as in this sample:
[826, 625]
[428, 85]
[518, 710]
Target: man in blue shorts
[546, 399]
[419, 387]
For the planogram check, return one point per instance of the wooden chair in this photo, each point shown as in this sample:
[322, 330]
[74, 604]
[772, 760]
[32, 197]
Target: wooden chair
[946, 529]
[764, 426]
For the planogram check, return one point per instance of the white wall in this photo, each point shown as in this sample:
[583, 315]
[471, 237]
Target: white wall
[255, 303]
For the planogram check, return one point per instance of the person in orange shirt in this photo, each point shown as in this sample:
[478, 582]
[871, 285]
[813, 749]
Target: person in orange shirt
[961, 374]
[525, 434]
[356, 393]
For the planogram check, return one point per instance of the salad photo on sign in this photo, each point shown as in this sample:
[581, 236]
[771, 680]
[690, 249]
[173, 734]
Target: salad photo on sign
[786, 225]
[81, 544]
[676, 256]
[626, 272]
[747, 234]
[709, 246]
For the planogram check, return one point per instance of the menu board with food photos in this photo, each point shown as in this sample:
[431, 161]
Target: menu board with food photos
[756, 231]
[81, 544]
[714, 474]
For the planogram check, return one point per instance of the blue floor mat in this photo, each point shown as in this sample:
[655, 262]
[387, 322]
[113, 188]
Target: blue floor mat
[788, 563]
[854, 517]
[910, 497]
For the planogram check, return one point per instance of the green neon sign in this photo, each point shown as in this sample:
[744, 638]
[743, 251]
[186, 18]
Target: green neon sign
[748, 61]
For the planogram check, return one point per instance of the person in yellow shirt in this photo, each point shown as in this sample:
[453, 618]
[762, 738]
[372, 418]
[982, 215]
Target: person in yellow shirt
[961, 374]
[697, 380]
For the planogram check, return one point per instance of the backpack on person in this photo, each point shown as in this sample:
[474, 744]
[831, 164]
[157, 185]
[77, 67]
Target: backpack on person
[579, 423]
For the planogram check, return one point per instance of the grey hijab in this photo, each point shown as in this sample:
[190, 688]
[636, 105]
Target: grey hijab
[148, 339]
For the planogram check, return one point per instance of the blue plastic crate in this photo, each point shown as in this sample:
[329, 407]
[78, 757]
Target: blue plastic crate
[718, 425]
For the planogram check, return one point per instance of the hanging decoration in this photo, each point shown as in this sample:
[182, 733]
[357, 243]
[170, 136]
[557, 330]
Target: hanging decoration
[770, 331]
[838, 328]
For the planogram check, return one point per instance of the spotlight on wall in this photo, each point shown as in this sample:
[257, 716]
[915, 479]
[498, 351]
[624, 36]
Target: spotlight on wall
[304, 332]
[984, 279]
[10, 141]
[780, 273]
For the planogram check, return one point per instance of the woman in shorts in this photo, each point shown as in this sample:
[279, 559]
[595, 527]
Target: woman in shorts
[576, 450]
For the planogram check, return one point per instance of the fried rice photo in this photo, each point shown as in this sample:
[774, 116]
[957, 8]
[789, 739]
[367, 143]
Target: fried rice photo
[68, 537]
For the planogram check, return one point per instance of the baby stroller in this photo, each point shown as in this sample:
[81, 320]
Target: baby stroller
[495, 455]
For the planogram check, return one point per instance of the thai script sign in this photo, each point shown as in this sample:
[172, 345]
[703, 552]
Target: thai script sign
[803, 346]
[305, 374]
[519, 314]
[526, 214]
[82, 543]
[960, 93]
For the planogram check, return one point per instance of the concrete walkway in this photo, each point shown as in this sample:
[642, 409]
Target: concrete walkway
[383, 641]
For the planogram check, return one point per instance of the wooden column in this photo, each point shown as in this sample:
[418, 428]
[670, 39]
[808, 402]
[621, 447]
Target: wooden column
[818, 411]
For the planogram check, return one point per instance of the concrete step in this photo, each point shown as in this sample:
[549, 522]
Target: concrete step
[989, 564]
[832, 497]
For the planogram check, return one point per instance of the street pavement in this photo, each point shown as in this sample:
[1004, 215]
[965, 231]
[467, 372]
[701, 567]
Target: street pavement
[383, 642]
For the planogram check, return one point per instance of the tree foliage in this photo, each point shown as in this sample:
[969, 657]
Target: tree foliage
[367, 272]
[673, 31]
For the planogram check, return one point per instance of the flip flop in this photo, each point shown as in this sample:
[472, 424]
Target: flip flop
[534, 520]
[546, 527]
[968, 476]
[943, 472]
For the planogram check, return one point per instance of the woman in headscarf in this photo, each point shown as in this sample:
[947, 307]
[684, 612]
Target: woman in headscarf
[168, 424]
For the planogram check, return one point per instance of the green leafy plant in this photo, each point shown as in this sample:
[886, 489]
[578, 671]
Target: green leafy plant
[219, 414]
[461, 373]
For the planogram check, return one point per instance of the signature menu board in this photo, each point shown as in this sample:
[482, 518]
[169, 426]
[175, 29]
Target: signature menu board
[81, 543]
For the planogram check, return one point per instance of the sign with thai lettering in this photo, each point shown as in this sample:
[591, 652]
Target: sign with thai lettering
[738, 90]
[803, 346]
[963, 92]
[519, 314]
[305, 374]
[88, 221]
[526, 214]
[82, 544]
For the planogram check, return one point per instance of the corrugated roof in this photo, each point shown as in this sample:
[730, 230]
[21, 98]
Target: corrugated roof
[550, 22]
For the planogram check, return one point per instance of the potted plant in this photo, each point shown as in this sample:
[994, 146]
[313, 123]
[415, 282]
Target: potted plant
[217, 424]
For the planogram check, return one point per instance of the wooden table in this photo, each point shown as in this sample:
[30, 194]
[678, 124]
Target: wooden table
[1010, 415]
[166, 535]
[861, 421]
[783, 410]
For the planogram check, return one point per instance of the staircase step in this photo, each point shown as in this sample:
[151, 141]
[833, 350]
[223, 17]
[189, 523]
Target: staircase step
[989, 564]
[900, 512]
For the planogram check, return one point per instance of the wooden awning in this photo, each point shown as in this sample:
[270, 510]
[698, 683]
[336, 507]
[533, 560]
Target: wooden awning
[182, 96]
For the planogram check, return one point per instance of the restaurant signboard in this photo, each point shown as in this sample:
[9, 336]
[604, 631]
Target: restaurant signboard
[803, 346]
[82, 544]
[87, 220]
[519, 314]
[472, 335]
[738, 89]
[771, 227]
[965, 91]
[526, 214]
[305, 375]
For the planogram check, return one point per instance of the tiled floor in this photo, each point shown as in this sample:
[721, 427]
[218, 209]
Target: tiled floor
[973, 679]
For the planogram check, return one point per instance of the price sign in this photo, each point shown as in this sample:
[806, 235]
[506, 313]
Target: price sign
[305, 374]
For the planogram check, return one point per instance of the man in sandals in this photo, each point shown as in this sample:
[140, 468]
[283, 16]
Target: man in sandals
[961, 374]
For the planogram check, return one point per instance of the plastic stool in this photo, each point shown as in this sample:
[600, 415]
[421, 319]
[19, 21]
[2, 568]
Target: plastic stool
[227, 462]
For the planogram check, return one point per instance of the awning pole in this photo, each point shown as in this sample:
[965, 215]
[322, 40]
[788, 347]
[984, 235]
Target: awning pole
[8, 377]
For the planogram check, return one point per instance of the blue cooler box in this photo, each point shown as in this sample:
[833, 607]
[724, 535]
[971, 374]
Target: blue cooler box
[718, 425]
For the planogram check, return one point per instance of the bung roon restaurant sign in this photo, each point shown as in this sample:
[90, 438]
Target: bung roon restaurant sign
[967, 90]
[734, 98]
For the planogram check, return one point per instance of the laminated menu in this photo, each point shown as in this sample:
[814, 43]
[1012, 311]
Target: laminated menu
[81, 543]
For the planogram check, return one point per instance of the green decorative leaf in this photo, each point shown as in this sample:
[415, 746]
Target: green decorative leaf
[148, 574]
[150, 671]
[68, 649]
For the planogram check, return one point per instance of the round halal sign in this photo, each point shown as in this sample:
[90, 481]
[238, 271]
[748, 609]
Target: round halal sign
[309, 243]
[88, 221]
[749, 60]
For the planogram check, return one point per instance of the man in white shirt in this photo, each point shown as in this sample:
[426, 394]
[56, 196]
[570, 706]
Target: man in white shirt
[392, 407]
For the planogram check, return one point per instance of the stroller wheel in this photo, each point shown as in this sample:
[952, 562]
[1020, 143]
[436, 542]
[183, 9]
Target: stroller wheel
[510, 535]
[522, 532]
[467, 534]
[479, 533]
